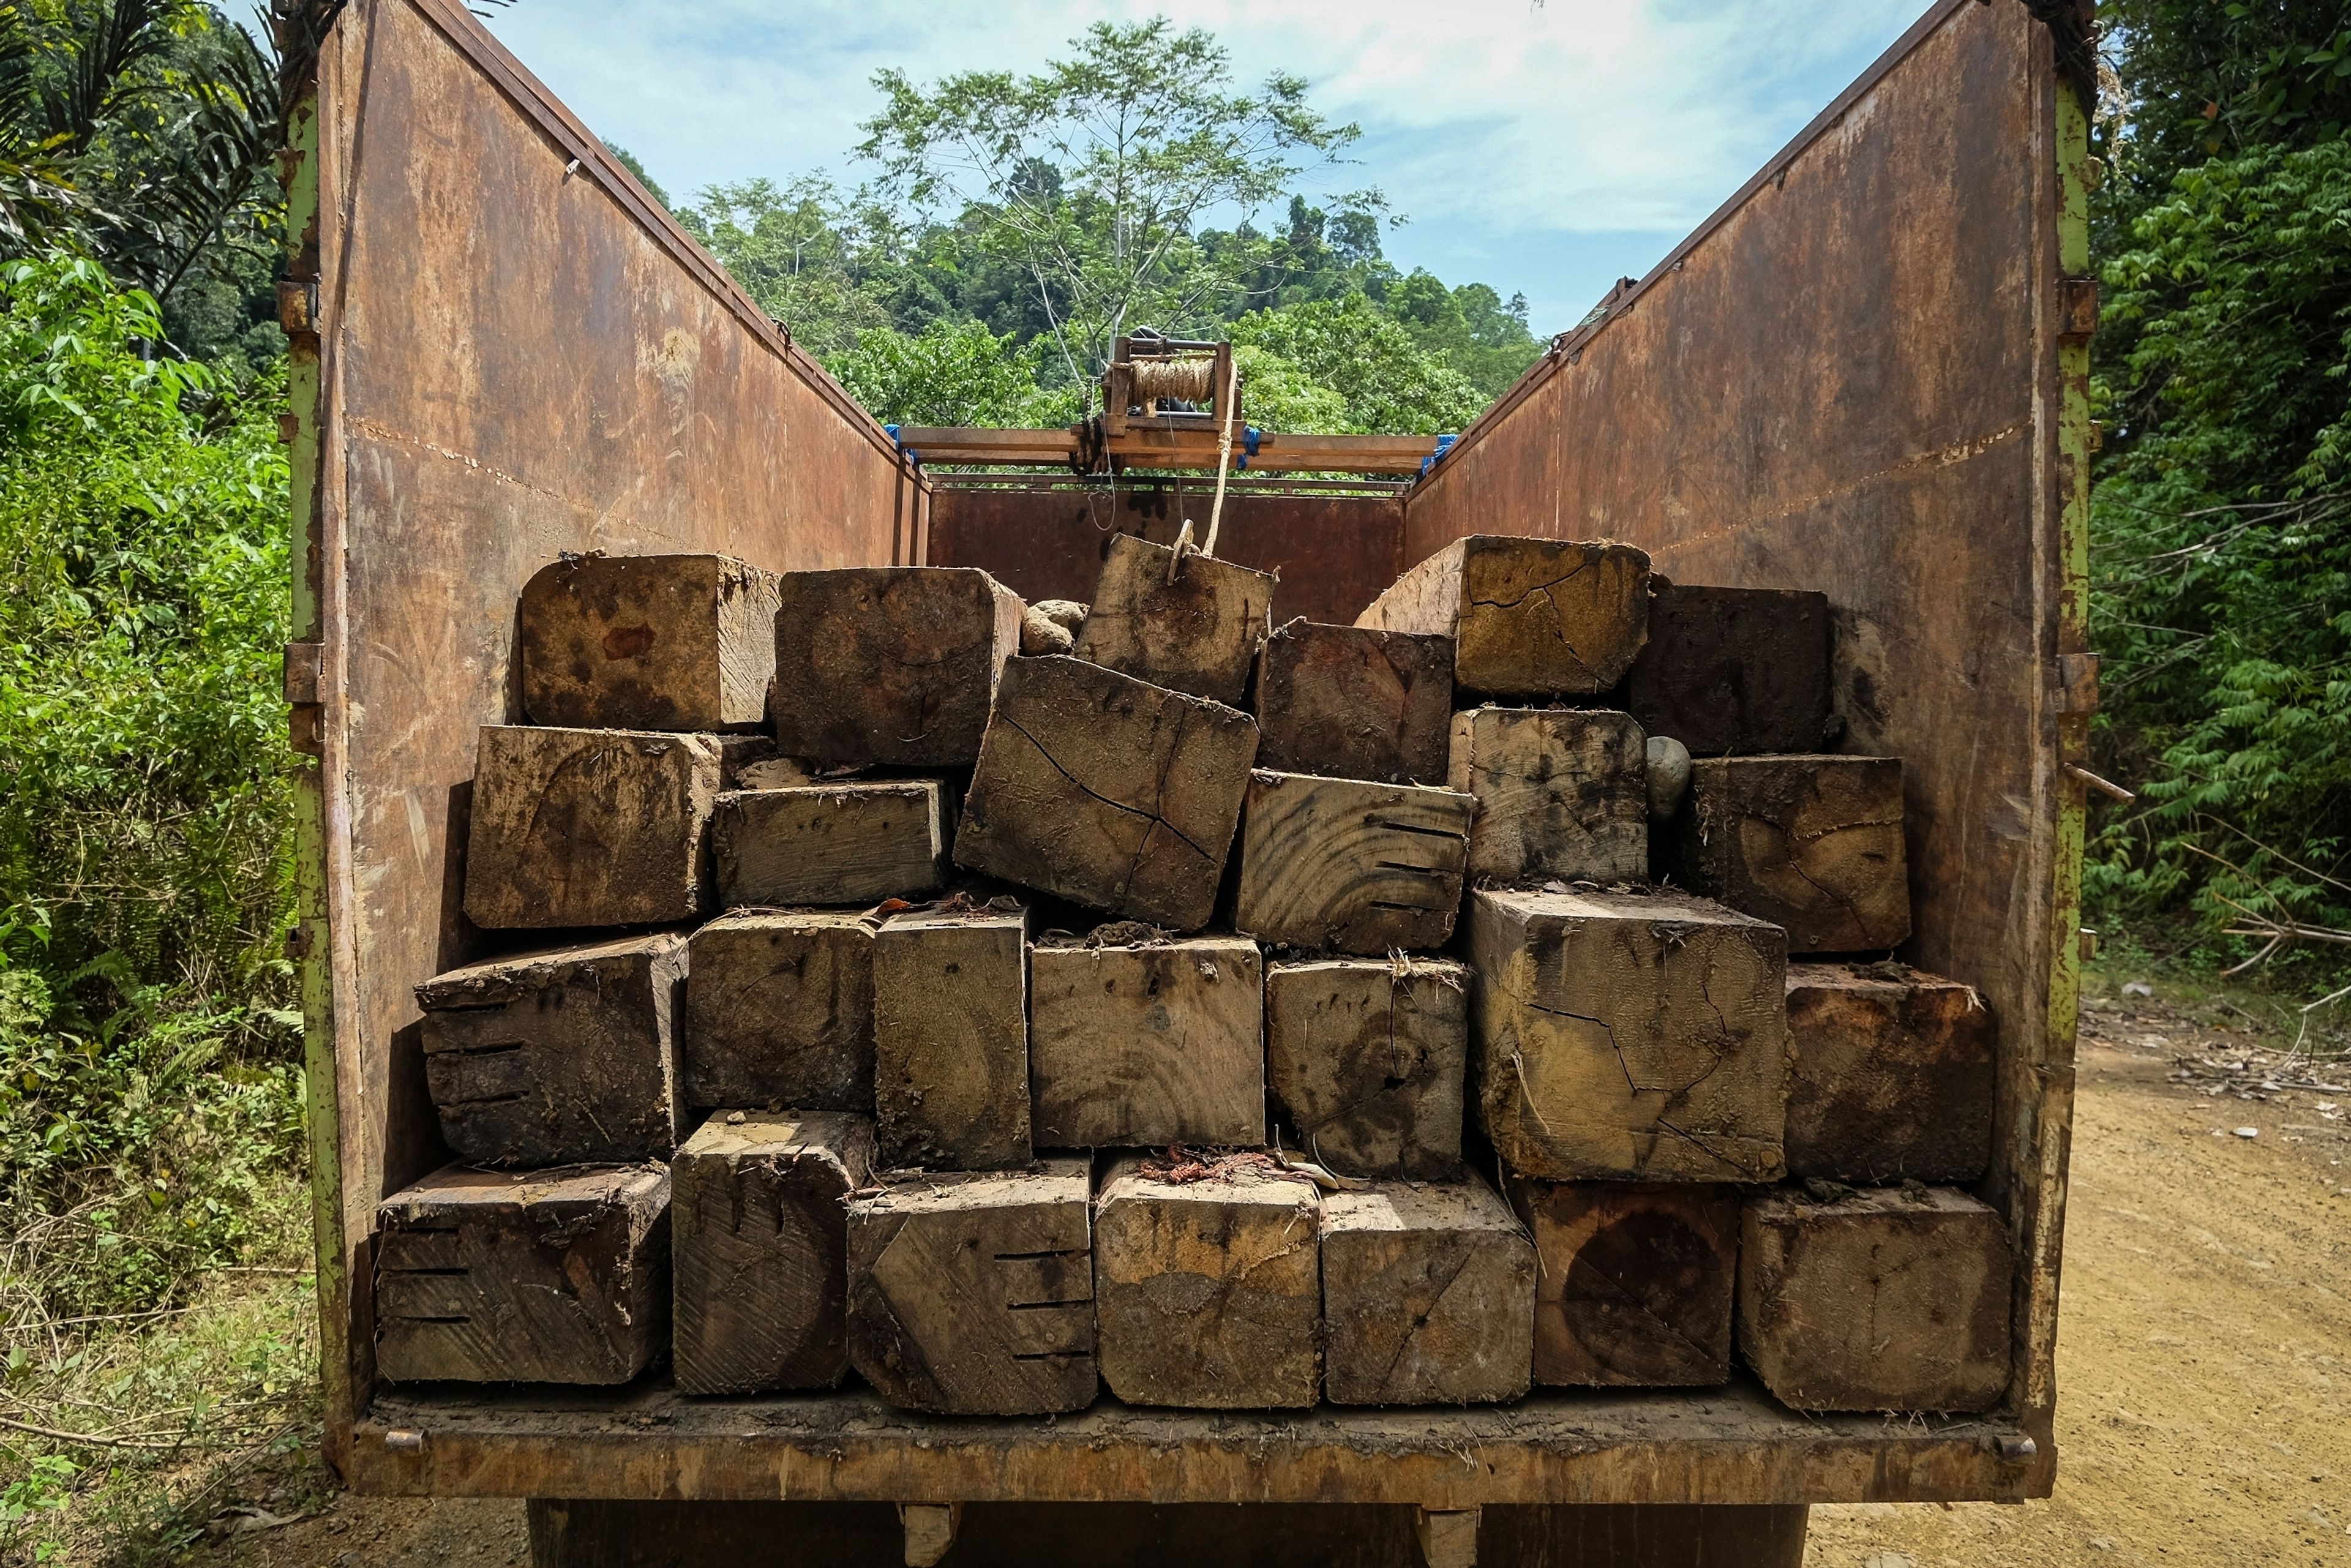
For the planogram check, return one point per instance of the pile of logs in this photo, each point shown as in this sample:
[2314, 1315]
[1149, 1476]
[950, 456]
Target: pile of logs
[1002, 1002]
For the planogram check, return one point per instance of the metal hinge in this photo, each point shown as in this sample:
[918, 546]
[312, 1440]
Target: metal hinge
[2081, 307]
[305, 722]
[2077, 684]
[298, 307]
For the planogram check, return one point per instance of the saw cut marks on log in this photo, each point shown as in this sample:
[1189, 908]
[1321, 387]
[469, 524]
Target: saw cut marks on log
[1345, 702]
[856, 842]
[779, 1012]
[1366, 1059]
[1193, 625]
[648, 642]
[531, 1277]
[1107, 791]
[1354, 866]
[1636, 1281]
[1529, 618]
[890, 664]
[1429, 1295]
[1811, 843]
[951, 1039]
[1894, 1075]
[558, 1057]
[1144, 1045]
[1562, 795]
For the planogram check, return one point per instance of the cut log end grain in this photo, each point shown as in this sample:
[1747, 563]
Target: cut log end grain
[652, 641]
[1895, 1076]
[1891, 1300]
[1811, 843]
[1561, 794]
[1348, 702]
[972, 1294]
[857, 842]
[1192, 627]
[1733, 670]
[1108, 791]
[779, 1012]
[1638, 1278]
[557, 1057]
[537, 1276]
[1366, 1060]
[1145, 1046]
[1429, 1296]
[1529, 617]
[890, 664]
[760, 1233]
[951, 1039]
[1628, 1036]
[1353, 866]
[1207, 1294]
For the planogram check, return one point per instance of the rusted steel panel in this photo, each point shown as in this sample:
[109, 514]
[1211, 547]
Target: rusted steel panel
[1335, 553]
[1847, 382]
[519, 356]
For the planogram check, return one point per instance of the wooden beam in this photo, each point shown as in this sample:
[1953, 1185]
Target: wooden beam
[1144, 446]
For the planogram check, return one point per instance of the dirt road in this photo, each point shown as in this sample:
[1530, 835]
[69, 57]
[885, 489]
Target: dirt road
[2204, 1354]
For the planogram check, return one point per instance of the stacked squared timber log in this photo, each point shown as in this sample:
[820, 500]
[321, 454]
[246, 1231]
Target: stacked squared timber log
[1004, 1003]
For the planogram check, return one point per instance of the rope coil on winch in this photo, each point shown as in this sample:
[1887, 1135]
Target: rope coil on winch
[1187, 378]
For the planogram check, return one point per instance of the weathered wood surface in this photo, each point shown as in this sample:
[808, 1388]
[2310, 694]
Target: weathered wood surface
[1529, 617]
[558, 1057]
[779, 1012]
[528, 1277]
[1628, 1036]
[951, 1039]
[1729, 671]
[1637, 1280]
[1429, 1296]
[1107, 791]
[759, 1227]
[972, 1293]
[890, 664]
[1194, 627]
[1811, 843]
[1147, 1044]
[593, 827]
[1207, 1294]
[1367, 1058]
[1892, 1077]
[1346, 702]
[1050, 626]
[1896, 1299]
[648, 642]
[1354, 866]
[1563, 794]
[856, 842]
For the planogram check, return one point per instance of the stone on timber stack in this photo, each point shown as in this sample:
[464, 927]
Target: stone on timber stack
[648, 642]
[892, 664]
[1529, 618]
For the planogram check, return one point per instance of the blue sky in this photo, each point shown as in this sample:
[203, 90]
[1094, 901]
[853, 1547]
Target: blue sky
[1544, 147]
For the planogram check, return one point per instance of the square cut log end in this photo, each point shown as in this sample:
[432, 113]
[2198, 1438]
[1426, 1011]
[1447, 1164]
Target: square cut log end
[1888, 1300]
[1563, 794]
[558, 1056]
[1734, 671]
[971, 1294]
[1637, 1037]
[1107, 791]
[1529, 617]
[1895, 1076]
[1636, 1281]
[1429, 1296]
[1207, 1294]
[760, 1237]
[1811, 843]
[1366, 1059]
[1353, 866]
[1346, 702]
[893, 665]
[649, 641]
[779, 1012]
[951, 1039]
[858, 843]
[1192, 628]
[1147, 1045]
[532, 1277]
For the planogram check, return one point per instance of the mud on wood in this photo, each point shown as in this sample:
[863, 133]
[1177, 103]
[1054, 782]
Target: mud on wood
[1349, 703]
[1367, 1058]
[1192, 627]
[951, 1039]
[1812, 843]
[1429, 1295]
[1731, 671]
[1893, 1075]
[855, 842]
[890, 664]
[648, 642]
[1637, 1283]
[1561, 794]
[779, 1012]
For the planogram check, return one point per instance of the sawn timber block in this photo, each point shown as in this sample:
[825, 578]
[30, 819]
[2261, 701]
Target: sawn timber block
[951, 1039]
[1348, 865]
[1207, 1294]
[760, 1231]
[528, 1277]
[971, 1294]
[1628, 1036]
[1893, 1075]
[1367, 1058]
[857, 842]
[1811, 843]
[779, 1012]
[558, 1056]
[1563, 794]
[1345, 702]
[1191, 627]
[648, 642]
[1147, 1044]
[1527, 617]
[1888, 1300]
[1108, 791]
[1429, 1295]
[1732, 671]
[890, 664]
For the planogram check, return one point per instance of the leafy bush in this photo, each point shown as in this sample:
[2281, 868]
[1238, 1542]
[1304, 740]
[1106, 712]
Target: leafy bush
[1342, 366]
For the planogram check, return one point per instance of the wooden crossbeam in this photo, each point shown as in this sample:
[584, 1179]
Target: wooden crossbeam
[1147, 446]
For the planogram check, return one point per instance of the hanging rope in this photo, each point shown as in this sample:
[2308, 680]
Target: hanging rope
[1188, 379]
[1226, 406]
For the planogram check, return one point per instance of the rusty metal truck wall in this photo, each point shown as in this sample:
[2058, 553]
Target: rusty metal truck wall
[518, 354]
[1847, 381]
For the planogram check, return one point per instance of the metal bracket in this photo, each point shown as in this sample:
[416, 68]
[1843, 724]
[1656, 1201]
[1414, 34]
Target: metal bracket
[1448, 1536]
[298, 307]
[930, 1531]
[2081, 307]
[305, 730]
[2077, 684]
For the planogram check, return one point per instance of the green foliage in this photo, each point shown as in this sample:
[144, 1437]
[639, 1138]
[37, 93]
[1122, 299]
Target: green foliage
[952, 372]
[1340, 366]
[794, 248]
